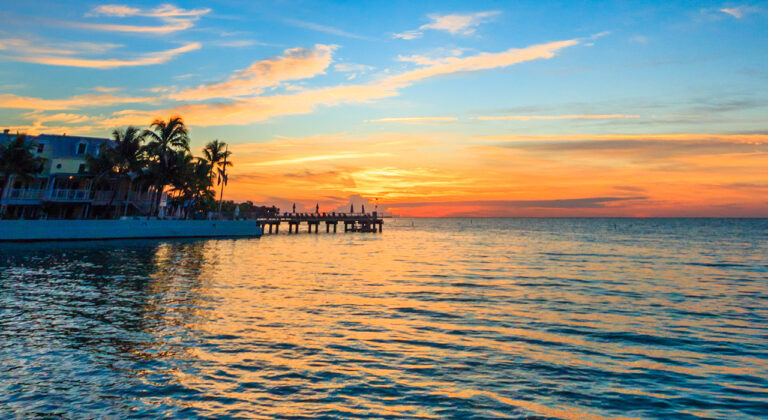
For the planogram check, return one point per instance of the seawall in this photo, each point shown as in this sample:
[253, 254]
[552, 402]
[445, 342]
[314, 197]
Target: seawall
[62, 230]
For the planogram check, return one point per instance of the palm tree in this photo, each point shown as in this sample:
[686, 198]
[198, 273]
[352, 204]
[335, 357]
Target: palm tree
[191, 181]
[165, 139]
[217, 153]
[123, 160]
[129, 156]
[17, 160]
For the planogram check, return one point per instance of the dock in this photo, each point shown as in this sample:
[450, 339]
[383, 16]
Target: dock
[353, 222]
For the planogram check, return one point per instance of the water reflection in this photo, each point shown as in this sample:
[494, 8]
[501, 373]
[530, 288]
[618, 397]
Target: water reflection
[566, 319]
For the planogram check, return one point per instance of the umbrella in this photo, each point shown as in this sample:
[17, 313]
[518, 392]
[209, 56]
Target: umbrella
[363, 210]
[351, 208]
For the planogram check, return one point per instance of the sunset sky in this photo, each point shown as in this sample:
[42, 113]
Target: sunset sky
[443, 108]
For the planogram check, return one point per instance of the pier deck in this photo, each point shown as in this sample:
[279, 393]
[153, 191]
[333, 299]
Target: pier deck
[353, 222]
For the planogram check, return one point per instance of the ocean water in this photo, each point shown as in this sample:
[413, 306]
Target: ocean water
[457, 318]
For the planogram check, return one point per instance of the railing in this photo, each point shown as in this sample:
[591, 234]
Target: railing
[146, 196]
[105, 196]
[69, 195]
[24, 194]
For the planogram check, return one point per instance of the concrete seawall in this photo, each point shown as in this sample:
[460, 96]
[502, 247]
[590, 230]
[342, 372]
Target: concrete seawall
[62, 230]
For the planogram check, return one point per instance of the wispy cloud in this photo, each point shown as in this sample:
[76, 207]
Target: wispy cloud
[412, 119]
[247, 110]
[557, 117]
[103, 89]
[740, 11]
[322, 28]
[244, 103]
[38, 46]
[11, 101]
[294, 64]
[174, 18]
[456, 24]
[409, 35]
[145, 59]
[351, 67]
[319, 158]
[237, 43]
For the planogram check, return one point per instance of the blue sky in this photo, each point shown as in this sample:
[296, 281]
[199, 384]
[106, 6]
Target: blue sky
[257, 73]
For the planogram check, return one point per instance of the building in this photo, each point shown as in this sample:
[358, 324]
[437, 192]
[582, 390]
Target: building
[64, 189]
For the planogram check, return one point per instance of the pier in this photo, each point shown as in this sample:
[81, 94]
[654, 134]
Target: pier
[352, 222]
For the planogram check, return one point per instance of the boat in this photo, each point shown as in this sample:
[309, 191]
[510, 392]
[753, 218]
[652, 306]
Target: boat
[134, 228]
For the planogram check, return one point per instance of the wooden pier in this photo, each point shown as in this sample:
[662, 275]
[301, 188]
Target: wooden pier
[353, 222]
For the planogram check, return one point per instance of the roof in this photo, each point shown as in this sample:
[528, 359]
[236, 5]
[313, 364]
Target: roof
[62, 145]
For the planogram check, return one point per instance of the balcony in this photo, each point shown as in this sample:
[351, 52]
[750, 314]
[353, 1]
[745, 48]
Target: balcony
[70, 195]
[23, 194]
[104, 197]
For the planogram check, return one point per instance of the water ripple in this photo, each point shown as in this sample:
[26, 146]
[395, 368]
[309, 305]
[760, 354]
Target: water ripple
[563, 318]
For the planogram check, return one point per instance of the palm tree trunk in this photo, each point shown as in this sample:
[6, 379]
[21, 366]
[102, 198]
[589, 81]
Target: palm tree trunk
[127, 197]
[8, 180]
[158, 197]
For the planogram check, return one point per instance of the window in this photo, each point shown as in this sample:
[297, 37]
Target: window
[81, 169]
[40, 148]
[81, 149]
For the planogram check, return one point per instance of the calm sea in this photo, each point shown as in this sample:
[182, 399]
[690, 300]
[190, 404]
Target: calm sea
[547, 318]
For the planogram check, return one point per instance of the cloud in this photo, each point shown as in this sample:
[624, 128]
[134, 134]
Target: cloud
[319, 158]
[37, 46]
[241, 43]
[11, 101]
[563, 203]
[246, 110]
[413, 119]
[103, 89]
[294, 64]
[558, 117]
[740, 11]
[322, 28]
[409, 35]
[242, 90]
[444, 173]
[145, 59]
[351, 67]
[646, 146]
[458, 23]
[174, 18]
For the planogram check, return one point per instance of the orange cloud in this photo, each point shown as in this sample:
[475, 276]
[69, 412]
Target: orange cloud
[294, 64]
[175, 19]
[81, 101]
[246, 110]
[145, 59]
[444, 174]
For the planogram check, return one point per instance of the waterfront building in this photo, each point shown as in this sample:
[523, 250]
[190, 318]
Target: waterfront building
[65, 189]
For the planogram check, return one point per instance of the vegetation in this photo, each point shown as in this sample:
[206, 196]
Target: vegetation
[17, 161]
[159, 157]
[149, 162]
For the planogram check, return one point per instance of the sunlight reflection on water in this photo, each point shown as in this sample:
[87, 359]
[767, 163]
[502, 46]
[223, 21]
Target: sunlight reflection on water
[565, 318]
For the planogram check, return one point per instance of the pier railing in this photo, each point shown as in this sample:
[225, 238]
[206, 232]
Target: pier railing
[353, 222]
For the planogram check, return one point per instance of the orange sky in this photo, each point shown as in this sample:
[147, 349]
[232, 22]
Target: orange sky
[443, 174]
